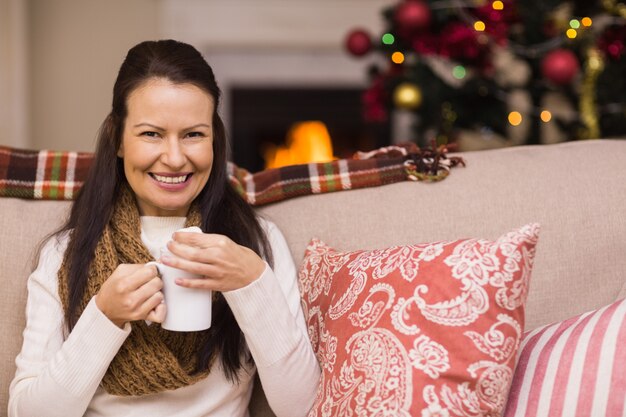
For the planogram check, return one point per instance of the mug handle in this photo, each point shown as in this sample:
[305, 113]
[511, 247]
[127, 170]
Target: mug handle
[157, 265]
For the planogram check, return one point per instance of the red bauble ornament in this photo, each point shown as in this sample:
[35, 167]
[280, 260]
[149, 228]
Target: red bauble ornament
[374, 110]
[613, 42]
[358, 42]
[560, 66]
[412, 16]
[460, 42]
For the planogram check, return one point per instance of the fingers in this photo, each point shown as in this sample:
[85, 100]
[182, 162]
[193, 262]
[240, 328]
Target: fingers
[195, 267]
[147, 290]
[191, 252]
[199, 253]
[195, 239]
[201, 240]
[224, 263]
[200, 283]
[138, 276]
[130, 293]
[150, 299]
[157, 314]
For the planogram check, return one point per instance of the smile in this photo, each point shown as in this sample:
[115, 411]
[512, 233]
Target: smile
[170, 180]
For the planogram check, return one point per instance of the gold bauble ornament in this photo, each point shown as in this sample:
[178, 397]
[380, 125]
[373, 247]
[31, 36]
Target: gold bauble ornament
[407, 96]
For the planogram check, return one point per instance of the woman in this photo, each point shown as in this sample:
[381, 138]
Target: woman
[160, 165]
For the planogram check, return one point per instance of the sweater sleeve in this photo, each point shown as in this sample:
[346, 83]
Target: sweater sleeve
[270, 315]
[57, 376]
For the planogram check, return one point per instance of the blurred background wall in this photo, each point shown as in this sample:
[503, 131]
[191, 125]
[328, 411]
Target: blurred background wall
[14, 74]
[75, 49]
[59, 58]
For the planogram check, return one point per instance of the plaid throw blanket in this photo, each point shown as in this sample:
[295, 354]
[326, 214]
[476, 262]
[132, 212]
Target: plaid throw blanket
[57, 175]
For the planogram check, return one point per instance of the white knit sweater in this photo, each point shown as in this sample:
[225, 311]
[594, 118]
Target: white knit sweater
[59, 376]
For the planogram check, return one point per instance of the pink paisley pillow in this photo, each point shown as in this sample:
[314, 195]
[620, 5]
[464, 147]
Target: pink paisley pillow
[421, 330]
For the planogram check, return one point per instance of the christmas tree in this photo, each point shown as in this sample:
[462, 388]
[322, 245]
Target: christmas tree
[495, 73]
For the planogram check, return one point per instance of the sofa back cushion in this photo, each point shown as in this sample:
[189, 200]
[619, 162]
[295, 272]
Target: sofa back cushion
[575, 190]
[23, 223]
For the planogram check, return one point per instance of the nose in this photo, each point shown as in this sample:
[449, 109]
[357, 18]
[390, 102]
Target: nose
[173, 155]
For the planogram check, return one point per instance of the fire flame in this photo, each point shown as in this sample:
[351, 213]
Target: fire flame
[306, 142]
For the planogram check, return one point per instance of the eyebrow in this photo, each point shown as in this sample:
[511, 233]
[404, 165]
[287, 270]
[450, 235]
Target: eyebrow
[161, 129]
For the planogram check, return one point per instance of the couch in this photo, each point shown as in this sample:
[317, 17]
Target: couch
[575, 190]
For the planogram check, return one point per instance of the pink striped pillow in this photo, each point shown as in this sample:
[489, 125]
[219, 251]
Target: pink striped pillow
[576, 367]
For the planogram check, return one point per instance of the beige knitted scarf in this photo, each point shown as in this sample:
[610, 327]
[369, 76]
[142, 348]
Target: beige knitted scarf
[151, 359]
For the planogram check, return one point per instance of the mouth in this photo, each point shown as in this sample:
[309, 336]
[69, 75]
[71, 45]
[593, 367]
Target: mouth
[170, 179]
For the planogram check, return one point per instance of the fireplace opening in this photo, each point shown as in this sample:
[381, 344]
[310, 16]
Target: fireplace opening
[263, 118]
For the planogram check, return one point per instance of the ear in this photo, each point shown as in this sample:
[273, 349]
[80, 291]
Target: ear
[120, 151]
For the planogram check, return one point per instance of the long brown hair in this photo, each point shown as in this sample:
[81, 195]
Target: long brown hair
[223, 211]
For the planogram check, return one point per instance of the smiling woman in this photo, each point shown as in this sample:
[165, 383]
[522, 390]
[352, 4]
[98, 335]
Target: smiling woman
[93, 344]
[167, 146]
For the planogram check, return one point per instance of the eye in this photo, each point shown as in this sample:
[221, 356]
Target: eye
[150, 134]
[195, 135]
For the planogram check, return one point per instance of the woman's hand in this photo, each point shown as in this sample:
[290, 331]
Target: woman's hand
[132, 292]
[225, 265]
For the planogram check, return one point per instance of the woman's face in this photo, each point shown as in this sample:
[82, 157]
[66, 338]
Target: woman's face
[167, 145]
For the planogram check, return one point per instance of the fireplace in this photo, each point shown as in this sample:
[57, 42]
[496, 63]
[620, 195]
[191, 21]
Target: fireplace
[282, 62]
[261, 117]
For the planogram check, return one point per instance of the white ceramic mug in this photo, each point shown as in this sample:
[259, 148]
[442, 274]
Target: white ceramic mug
[188, 309]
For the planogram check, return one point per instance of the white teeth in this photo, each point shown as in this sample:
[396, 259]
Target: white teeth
[170, 180]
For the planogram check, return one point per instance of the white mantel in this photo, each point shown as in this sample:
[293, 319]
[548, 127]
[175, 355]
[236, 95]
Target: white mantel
[269, 24]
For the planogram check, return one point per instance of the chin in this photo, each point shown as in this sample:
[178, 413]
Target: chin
[172, 210]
